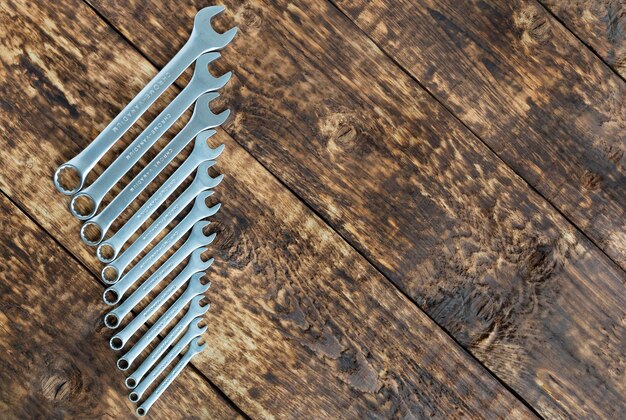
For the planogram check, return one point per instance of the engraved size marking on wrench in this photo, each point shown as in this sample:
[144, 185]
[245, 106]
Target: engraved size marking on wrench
[203, 39]
[112, 272]
[193, 331]
[194, 265]
[201, 120]
[201, 82]
[194, 288]
[196, 239]
[198, 158]
[194, 348]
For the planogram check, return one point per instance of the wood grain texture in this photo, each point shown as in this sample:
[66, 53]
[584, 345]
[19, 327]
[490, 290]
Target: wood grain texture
[55, 363]
[529, 89]
[300, 325]
[601, 24]
[320, 106]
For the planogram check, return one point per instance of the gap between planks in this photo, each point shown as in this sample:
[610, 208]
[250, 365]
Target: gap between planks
[217, 390]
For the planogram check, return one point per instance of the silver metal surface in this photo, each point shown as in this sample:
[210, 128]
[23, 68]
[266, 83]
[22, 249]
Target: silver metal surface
[203, 39]
[201, 182]
[194, 265]
[194, 348]
[201, 82]
[112, 272]
[201, 120]
[194, 288]
[195, 310]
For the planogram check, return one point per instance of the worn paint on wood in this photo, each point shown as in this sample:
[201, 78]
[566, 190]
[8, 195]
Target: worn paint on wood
[325, 110]
[300, 323]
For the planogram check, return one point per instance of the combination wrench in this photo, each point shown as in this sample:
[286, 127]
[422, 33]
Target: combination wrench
[196, 239]
[199, 211]
[194, 348]
[201, 82]
[108, 250]
[195, 310]
[194, 265]
[203, 39]
[194, 288]
[202, 119]
[132, 381]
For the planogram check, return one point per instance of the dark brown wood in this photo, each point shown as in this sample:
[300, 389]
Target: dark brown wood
[54, 360]
[529, 89]
[301, 325]
[600, 24]
[320, 106]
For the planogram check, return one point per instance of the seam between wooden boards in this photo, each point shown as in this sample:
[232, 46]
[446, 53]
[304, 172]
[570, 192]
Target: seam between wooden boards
[327, 222]
[495, 155]
[570, 30]
[217, 390]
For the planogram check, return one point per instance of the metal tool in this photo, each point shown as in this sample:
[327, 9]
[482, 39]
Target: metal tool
[203, 39]
[108, 250]
[201, 120]
[112, 272]
[192, 332]
[195, 265]
[194, 288]
[201, 82]
[194, 348]
[197, 239]
[195, 310]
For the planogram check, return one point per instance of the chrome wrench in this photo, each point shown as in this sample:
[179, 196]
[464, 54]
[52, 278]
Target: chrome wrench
[201, 120]
[199, 211]
[195, 310]
[108, 250]
[196, 239]
[194, 348]
[194, 265]
[132, 381]
[194, 288]
[203, 39]
[201, 82]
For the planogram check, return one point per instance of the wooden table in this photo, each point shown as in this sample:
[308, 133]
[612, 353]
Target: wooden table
[423, 210]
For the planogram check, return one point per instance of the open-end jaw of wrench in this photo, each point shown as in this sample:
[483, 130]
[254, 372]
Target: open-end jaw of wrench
[194, 288]
[194, 310]
[192, 332]
[194, 265]
[194, 348]
[203, 39]
[112, 272]
[156, 353]
[201, 82]
[196, 239]
[201, 120]
[108, 250]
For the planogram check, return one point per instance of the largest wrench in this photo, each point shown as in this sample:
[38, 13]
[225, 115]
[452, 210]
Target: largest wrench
[203, 38]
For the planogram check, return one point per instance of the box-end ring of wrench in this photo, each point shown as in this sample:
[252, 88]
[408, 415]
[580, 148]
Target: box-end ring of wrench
[195, 265]
[194, 288]
[108, 250]
[197, 239]
[201, 82]
[203, 39]
[113, 271]
[190, 334]
[194, 348]
[201, 120]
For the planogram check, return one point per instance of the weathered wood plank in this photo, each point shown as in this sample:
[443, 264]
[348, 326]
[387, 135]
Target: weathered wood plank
[528, 88]
[601, 24]
[300, 324]
[55, 361]
[325, 110]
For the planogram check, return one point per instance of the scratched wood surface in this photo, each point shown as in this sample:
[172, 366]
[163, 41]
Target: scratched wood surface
[306, 320]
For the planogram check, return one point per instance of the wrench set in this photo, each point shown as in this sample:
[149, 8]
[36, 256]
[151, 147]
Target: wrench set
[124, 271]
